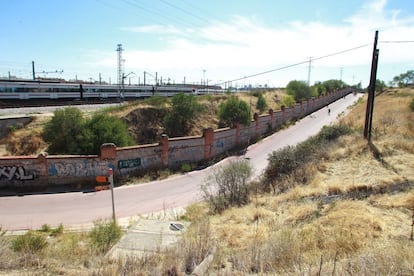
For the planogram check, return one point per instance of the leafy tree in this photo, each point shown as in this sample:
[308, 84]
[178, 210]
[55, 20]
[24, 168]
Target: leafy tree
[232, 111]
[404, 79]
[65, 131]
[184, 108]
[379, 85]
[332, 85]
[69, 133]
[261, 104]
[319, 89]
[299, 90]
[102, 129]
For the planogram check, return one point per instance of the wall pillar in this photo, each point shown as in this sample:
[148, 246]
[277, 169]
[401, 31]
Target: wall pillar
[108, 151]
[256, 120]
[208, 134]
[164, 149]
[272, 118]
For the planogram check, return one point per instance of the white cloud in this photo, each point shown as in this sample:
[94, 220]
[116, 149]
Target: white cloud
[245, 44]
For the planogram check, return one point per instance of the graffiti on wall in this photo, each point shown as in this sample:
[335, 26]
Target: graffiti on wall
[15, 173]
[219, 144]
[85, 168]
[129, 163]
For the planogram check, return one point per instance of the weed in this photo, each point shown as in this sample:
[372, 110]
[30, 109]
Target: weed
[28, 243]
[104, 235]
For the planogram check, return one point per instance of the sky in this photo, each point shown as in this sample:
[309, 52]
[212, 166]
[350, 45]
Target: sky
[237, 42]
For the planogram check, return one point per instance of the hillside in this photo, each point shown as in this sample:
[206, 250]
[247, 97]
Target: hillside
[144, 120]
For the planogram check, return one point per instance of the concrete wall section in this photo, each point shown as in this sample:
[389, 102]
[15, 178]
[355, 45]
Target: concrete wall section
[22, 172]
[185, 150]
[247, 133]
[264, 125]
[132, 160]
[224, 140]
[71, 169]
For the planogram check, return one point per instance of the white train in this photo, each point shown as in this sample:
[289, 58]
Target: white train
[27, 90]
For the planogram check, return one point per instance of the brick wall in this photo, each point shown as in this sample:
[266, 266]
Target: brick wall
[53, 173]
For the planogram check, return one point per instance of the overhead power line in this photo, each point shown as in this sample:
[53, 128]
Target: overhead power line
[296, 64]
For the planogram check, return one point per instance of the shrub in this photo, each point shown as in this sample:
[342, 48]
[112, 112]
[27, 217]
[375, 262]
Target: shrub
[69, 133]
[65, 131]
[288, 101]
[227, 186]
[185, 167]
[28, 243]
[329, 133]
[261, 104]
[299, 90]
[102, 129]
[234, 111]
[184, 109]
[284, 162]
[104, 235]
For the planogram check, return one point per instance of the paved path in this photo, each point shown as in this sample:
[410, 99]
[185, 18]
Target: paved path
[71, 209]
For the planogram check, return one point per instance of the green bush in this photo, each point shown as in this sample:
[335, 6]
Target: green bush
[102, 129]
[234, 111]
[261, 104]
[69, 133]
[227, 186]
[104, 235]
[329, 133]
[28, 243]
[185, 167]
[299, 90]
[284, 162]
[184, 109]
[65, 132]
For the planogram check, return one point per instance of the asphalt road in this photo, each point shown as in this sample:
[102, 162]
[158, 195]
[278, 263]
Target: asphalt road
[71, 209]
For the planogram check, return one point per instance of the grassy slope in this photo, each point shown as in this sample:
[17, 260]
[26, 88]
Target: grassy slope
[354, 215]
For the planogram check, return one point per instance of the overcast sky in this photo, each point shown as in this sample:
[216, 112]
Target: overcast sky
[214, 40]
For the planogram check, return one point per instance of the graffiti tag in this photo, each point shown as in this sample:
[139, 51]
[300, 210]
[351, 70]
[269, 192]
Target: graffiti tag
[129, 163]
[15, 173]
[84, 168]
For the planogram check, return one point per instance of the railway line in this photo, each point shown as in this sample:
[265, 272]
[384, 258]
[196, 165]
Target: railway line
[39, 93]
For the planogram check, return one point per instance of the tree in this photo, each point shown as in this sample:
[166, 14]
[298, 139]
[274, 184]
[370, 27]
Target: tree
[332, 85]
[319, 89]
[404, 79]
[261, 104]
[183, 109]
[101, 129]
[299, 90]
[69, 133]
[379, 85]
[65, 131]
[234, 111]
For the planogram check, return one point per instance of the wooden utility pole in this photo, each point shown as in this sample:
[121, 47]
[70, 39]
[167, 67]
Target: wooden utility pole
[371, 90]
